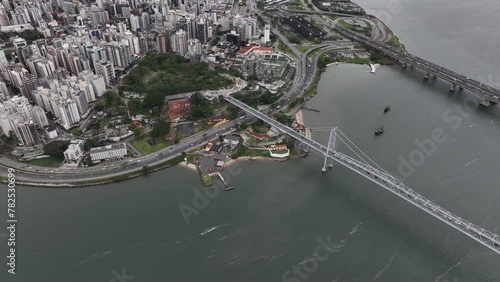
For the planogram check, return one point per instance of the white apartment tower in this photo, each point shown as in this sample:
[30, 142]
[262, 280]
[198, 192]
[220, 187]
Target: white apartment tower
[69, 113]
[267, 33]
[179, 42]
[106, 70]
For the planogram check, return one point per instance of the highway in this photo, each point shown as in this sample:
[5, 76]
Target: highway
[27, 173]
[318, 12]
[481, 90]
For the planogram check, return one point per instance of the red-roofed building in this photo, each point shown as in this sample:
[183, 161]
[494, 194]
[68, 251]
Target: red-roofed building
[214, 119]
[179, 109]
[261, 50]
[245, 50]
[297, 125]
[137, 123]
[277, 147]
[259, 136]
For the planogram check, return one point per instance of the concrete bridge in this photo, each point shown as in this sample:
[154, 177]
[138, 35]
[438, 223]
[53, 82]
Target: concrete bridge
[486, 93]
[382, 178]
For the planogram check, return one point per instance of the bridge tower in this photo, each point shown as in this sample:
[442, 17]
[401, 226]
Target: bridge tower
[453, 87]
[330, 148]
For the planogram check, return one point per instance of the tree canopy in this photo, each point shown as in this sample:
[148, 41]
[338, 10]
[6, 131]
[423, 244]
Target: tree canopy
[160, 129]
[56, 148]
[160, 75]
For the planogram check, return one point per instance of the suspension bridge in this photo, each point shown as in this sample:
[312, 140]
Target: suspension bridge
[367, 168]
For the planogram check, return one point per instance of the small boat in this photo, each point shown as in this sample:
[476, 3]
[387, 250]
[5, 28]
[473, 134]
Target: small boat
[387, 108]
[379, 130]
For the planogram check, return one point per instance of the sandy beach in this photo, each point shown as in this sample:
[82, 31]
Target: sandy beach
[259, 158]
[189, 165]
[298, 117]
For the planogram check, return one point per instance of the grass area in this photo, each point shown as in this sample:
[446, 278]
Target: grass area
[284, 48]
[140, 111]
[206, 179]
[324, 60]
[395, 43]
[245, 151]
[379, 58]
[310, 54]
[47, 162]
[256, 153]
[260, 128]
[350, 26]
[191, 157]
[303, 49]
[311, 89]
[295, 7]
[355, 60]
[283, 151]
[143, 146]
[75, 131]
[366, 30]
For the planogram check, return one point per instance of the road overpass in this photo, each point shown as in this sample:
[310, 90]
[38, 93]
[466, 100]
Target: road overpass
[486, 93]
[385, 180]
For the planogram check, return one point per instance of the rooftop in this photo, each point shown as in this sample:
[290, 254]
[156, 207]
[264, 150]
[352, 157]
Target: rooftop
[108, 148]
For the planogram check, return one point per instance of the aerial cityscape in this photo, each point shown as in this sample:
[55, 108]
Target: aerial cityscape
[249, 140]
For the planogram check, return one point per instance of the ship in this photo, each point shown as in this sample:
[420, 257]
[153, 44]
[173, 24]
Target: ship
[387, 108]
[379, 130]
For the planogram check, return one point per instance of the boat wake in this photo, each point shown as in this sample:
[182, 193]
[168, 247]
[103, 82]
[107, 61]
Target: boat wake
[389, 263]
[230, 235]
[355, 229]
[210, 229]
[94, 257]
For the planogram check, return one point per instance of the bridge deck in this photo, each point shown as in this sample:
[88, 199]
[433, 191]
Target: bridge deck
[482, 90]
[387, 181]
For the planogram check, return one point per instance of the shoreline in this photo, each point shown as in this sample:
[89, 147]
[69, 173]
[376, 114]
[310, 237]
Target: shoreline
[189, 166]
[258, 158]
[298, 116]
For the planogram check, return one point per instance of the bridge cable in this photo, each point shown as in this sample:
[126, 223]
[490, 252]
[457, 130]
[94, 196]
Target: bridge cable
[354, 145]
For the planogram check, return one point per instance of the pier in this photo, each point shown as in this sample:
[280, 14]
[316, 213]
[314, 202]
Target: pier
[218, 174]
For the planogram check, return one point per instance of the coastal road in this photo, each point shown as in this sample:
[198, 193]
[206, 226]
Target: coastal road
[52, 175]
[310, 67]
[305, 70]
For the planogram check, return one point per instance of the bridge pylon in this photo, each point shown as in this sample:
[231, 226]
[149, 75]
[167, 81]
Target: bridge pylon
[330, 148]
[453, 87]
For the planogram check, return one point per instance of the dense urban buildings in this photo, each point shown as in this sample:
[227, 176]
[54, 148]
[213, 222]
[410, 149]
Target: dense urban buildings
[61, 57]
